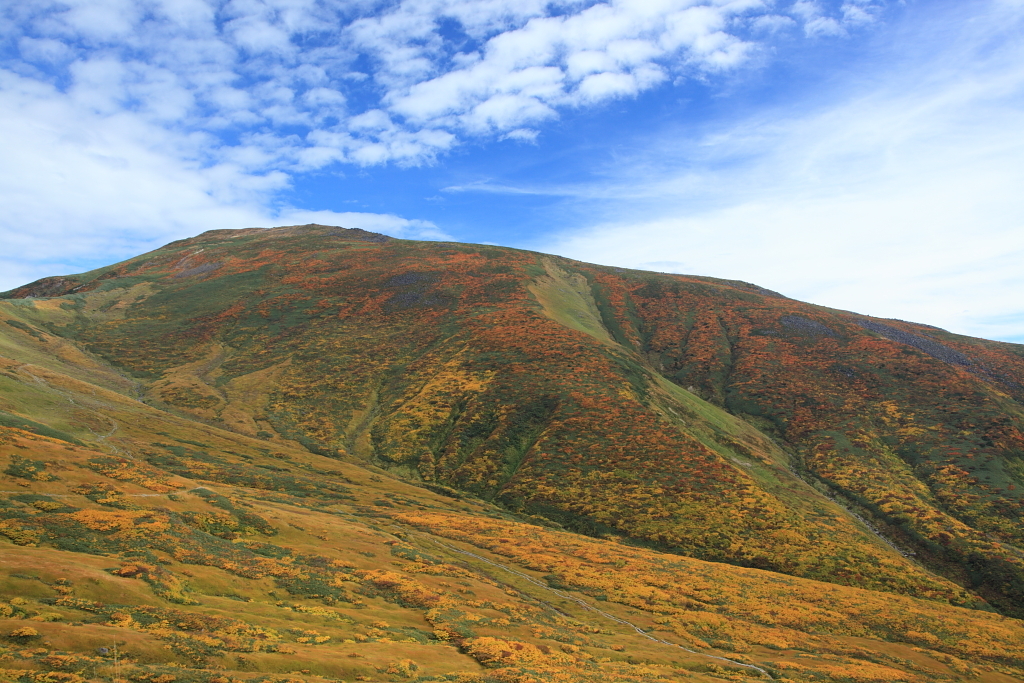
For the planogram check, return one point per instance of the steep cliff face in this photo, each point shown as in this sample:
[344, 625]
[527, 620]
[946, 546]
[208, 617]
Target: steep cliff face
[710, 418]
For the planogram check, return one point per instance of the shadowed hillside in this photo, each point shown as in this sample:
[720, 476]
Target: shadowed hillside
[172, 411]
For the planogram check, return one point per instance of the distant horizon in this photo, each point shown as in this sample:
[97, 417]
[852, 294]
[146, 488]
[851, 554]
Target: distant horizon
[855, 154]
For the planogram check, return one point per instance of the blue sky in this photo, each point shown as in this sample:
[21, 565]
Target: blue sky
[859, 154]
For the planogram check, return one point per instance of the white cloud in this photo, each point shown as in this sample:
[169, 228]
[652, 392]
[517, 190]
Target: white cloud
[44, 50]
[597, 87]
[857, 13]
[283, 68]
[522, 135]
[771, 23]
[806, 9]
[604, 51]
[900, 200]
[112, 186]
[385, 223]
[129, 121]
[823, 26]
[818, 22]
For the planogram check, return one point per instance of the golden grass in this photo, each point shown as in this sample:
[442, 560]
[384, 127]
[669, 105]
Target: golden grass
[801, 630]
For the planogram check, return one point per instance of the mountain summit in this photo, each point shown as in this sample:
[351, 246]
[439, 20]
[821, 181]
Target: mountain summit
[524, 404]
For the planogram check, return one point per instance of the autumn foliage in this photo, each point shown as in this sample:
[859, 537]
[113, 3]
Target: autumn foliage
[862, 463]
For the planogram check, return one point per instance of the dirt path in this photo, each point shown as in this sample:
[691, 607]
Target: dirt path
[67, 395]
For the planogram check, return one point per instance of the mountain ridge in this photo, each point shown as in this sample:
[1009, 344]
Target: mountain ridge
[704, 417]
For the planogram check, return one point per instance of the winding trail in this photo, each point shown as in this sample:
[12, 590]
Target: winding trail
[590, 608]
[103, 438]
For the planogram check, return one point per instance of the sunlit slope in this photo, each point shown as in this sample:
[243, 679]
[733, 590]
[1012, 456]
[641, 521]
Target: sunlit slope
[203, 554]
[488, 370]
[209, 564]
[915, 428]
[612, 402]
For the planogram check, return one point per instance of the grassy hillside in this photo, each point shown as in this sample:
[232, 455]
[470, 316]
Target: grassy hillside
[252, 429]
[223, 560]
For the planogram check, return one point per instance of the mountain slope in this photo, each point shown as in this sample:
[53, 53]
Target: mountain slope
[574, 392]
[239, 562]
[252, 440]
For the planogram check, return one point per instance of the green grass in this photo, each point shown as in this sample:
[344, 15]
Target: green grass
[9, 420]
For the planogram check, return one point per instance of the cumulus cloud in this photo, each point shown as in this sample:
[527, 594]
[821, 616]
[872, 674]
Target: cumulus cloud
[293, 74]
[162, 117]
[608, 50]
[111, 186]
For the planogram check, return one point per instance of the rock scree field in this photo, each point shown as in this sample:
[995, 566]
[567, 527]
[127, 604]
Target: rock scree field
[312, 453]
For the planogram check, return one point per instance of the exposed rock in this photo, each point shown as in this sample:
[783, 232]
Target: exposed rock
[46, 287]
[806, 326]
[929, 346]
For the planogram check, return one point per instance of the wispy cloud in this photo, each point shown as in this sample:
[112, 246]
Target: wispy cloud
[385, 223]
[501, 188]
[80, 185]
[299, 84]
[898, 197]
[127, 121]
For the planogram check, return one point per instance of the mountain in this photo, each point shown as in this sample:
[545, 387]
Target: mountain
[251, 440]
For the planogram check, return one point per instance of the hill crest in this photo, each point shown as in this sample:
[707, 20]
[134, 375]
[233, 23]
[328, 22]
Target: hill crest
[701, 417]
